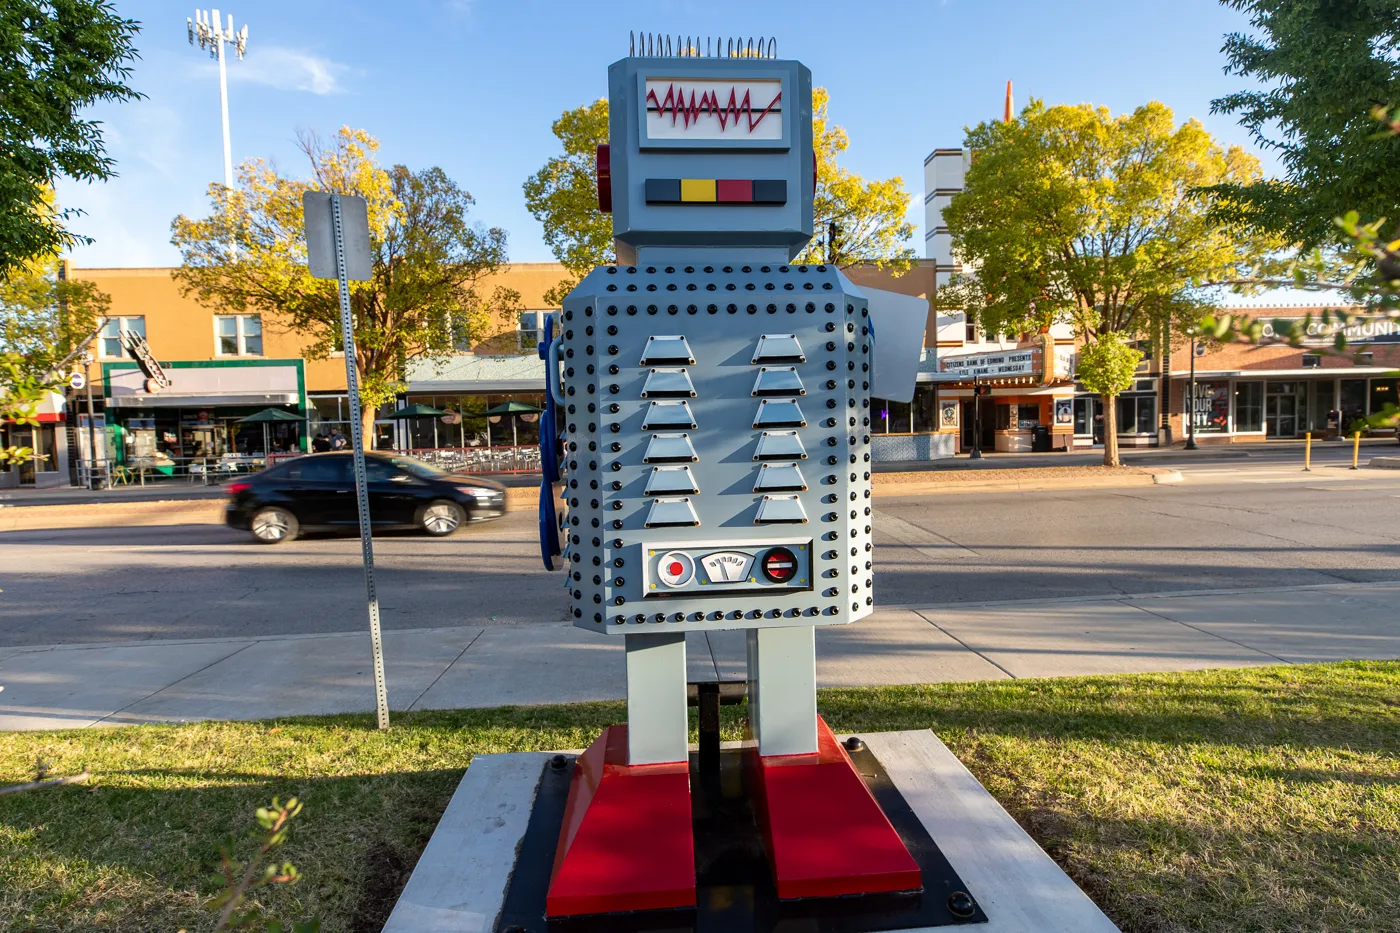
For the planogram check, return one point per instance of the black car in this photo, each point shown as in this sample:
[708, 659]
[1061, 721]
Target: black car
[318, 491]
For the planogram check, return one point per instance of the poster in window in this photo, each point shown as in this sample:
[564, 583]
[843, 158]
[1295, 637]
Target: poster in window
[948, 413]
[1064, 411]
[1212, 406]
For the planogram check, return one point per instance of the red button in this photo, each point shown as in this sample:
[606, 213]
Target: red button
[779, 565]
[676, 568]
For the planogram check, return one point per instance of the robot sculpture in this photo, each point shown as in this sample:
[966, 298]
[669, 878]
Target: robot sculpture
[713, 406]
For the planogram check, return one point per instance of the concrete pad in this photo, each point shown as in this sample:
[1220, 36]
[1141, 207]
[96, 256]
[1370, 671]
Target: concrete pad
[1088, 638]
[459, 883]
[895, 648]
[1020, 888]
[532, 664]
[1298, 626]
[307, 677]
[72, 687]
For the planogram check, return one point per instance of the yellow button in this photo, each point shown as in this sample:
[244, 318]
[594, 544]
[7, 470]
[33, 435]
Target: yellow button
[698, 189]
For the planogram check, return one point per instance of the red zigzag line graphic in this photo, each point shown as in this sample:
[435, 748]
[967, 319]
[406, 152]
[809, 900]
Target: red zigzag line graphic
[688, 112]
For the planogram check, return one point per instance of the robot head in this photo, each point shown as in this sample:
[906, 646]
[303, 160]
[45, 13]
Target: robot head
[709, 153]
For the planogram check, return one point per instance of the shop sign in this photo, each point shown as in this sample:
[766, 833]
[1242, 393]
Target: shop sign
[1002, 363]
[1319, 334]
[1212, 406]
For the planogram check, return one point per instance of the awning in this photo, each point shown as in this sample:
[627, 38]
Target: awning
[168, 400]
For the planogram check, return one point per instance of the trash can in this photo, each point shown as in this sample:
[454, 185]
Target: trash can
[1040, 439]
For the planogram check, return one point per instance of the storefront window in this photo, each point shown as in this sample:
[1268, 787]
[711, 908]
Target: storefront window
[1137, 414]
[925, 409]
[1324, 400]
[1249, 406]
[1383, 395]
[1353, 403]
[1212, 407]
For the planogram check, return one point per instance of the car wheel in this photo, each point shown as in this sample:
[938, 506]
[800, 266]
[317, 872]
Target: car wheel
[273, 526]
[441, 518]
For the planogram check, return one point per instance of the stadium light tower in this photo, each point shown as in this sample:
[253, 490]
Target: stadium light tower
[208, 30]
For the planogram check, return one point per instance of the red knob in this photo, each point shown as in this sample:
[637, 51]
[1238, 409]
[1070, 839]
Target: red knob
[604, 166]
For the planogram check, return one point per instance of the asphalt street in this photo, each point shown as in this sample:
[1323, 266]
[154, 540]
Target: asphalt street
[1227, 527]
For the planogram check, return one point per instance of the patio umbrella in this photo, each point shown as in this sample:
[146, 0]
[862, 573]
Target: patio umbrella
[416, 410]
[269, 416]
[513, 408]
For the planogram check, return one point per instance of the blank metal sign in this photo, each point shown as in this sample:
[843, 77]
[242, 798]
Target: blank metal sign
[320, 235]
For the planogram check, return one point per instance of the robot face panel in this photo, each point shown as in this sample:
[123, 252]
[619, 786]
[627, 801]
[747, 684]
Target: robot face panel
[711, 152]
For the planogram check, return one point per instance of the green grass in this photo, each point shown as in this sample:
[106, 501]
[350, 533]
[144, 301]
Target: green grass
[1263, 799]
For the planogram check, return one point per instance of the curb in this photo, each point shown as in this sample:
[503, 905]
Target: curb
[1385, 463]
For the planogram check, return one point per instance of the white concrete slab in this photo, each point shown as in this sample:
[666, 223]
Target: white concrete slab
[895, 648]
[459, 883]
[730, 653]
[1297, 626]
[1020, 888]
[532, 664]
[1088, 638]
[307, 677]
[66, 688]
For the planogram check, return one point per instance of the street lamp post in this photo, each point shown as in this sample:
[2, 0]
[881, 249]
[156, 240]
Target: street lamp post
[976, 453]
[209, 31]
[1191, 405]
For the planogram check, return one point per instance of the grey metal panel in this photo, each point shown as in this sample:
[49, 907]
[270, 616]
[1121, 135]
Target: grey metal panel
[637, 224]
[778, 348]
[783, 690]
[669, 448]
[779, 477]
[722, 327]
[671, 480]
[656, 697]
[780, 510]
[668, 512]
[777, 445]
[669, 414]
[778, 380]
[666, 349]
[668, 383]
[779, 413]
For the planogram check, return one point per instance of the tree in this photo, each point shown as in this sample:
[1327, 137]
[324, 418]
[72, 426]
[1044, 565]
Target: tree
[426, 297]
[45, 323]
[1107, 366]
[1070, 214]
[56, 57]
[869, 217]
[563, 196]
[1326, 64]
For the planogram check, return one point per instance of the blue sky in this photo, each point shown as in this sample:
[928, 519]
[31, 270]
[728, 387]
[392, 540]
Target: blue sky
[473, 85]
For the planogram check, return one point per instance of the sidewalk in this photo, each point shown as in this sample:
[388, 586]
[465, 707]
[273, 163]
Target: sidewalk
[257, 678]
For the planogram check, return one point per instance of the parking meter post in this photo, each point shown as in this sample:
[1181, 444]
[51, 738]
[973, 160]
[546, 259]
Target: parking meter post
[357, 443]
[1355, 449]
[1307, 452]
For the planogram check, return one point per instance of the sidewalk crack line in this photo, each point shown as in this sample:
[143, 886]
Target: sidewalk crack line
[409, 707]
[172, 684]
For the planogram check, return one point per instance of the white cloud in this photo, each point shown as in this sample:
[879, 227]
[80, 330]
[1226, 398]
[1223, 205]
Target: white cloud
[289, 70]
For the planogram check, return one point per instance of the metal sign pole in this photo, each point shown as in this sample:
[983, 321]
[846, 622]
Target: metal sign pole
[357, 443]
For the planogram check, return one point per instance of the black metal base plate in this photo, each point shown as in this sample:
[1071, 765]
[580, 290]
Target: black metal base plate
[734, 886]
